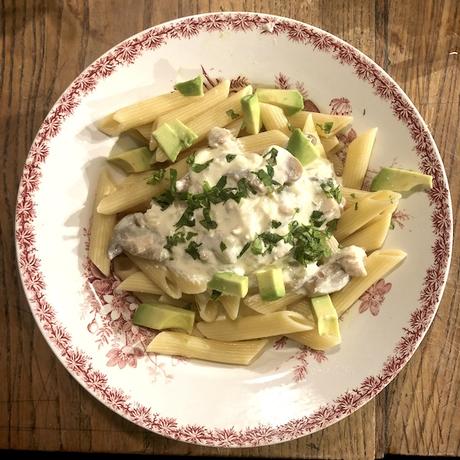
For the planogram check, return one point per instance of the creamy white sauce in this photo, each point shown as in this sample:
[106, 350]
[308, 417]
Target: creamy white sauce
[240, 223]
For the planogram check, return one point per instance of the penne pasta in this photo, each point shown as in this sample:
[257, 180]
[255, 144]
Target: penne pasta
[298, 119]
[258, 143]
[256, 303]
[329, 143]
[139, 282]
[188, 112]
[101, 226]
[146, 298]
[357, 160]
[310, 128]
[208, 309]
[231, 305]
[352, 194]
[144, 131]
[235, 127]
[221, 115]
[329, 125]
[135, 191]
[191, 346]
[273, 117]
[315, 341]
[146, 111]
[378, 265]
[363, 212]
[187, 285]
[159, 275]
[253, 327]
[373, 235]
[123, 267]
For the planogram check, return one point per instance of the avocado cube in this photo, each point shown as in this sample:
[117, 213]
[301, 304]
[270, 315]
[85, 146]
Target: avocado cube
[192, 87]
[230, 283]
[161, 316]
[174, 137]
[326, 316]
[302, 148]
[251, 113]
[400, 180]
[132, 161]
[290, 100]
[271, 283]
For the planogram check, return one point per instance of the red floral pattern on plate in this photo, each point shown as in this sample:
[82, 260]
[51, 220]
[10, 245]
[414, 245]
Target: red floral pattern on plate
[340, 106]
[374, 297]
[420, 319]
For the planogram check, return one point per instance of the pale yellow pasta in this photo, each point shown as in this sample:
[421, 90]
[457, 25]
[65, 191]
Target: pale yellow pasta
[336, 162]
[258, 143]
[310, 128]
[208, 309]
[363, 212]
[273, 118]
[235, 127]
[188, 112]
[101, 226]
[221, 115]
[186, 301]
[145, 131]
[378, 265]
[146, 111]
[313, 340]
[256, 303]
[298, 119]
[231, 305]
[189, 346]
[146, 298]
[246, 311]
[303, 307]
[357, 161]
[132, 193]
[339, 123]
[188, 285]
[373, 235]
[329, 143]
[159, 275]
[254, 327]
[352, 194]
[139, 282]
[123, 267]
[109, 126]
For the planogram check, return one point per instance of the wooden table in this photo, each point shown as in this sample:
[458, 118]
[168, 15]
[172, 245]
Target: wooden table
[45, 45]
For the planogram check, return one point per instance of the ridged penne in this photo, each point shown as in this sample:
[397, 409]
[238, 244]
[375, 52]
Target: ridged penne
[160, 276]
[132, 193]
[273, 117]
[189, 346]
[231, 305]
[353, 195]
[123, 267]
[146, 111]
[188, 112]
[329, 143]
[253, 327]
[357, 161]
[145, 131]
[101, 226]
[256, 303]
[221, 115]
[146, 298]
[298, 119]
[378, 265]
[313, 340]
[258, 143]
[208, 309]
[311, 129]
[329, 125]
[363, 212]
[187, 285]
[139, 282]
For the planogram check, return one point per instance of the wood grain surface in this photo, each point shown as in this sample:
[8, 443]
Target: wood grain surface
[44, 46]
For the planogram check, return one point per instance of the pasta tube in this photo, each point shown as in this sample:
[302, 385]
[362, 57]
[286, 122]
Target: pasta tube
[258, 143]
[139, 282]
[273, 118]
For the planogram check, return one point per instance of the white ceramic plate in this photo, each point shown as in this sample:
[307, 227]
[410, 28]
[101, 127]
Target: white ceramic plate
[290, 391]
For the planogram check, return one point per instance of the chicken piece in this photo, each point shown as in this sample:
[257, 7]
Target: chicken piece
[351, 259]
[329, 278]
[221, 136]
[132, 235]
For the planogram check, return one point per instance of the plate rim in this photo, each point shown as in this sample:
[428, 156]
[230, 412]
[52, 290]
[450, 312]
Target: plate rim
[346, 403]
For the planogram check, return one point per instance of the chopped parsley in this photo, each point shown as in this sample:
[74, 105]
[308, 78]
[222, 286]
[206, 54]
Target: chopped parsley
[356, 205]
[276, 223]
[222, 246]
[326, 127]
[198, 167]
[190, 235]
[257, 246]
[232, 114]
[353, 195]
[215, 294]
[192, 250]
[269, 240]
[207, 222]
[271, 154]
[332, 225]
[332, 190]
[230, 157]
[245, 248]
[157, 176]
[317, 219]
[174, 240]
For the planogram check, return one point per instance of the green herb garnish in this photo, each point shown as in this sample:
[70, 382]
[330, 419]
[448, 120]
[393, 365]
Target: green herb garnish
[174, 240]
[230, 157]
[197, 167]
[190, 235]
[207, 222]
[332, 225]
[215, 294]
[232, 114]
[332, 190]
[192, 250]
[156, 176]
[317, 218]
[276, 223]
[245, 248]
[326, 127]
[223, 246]
[257, 246]
[356, 205]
